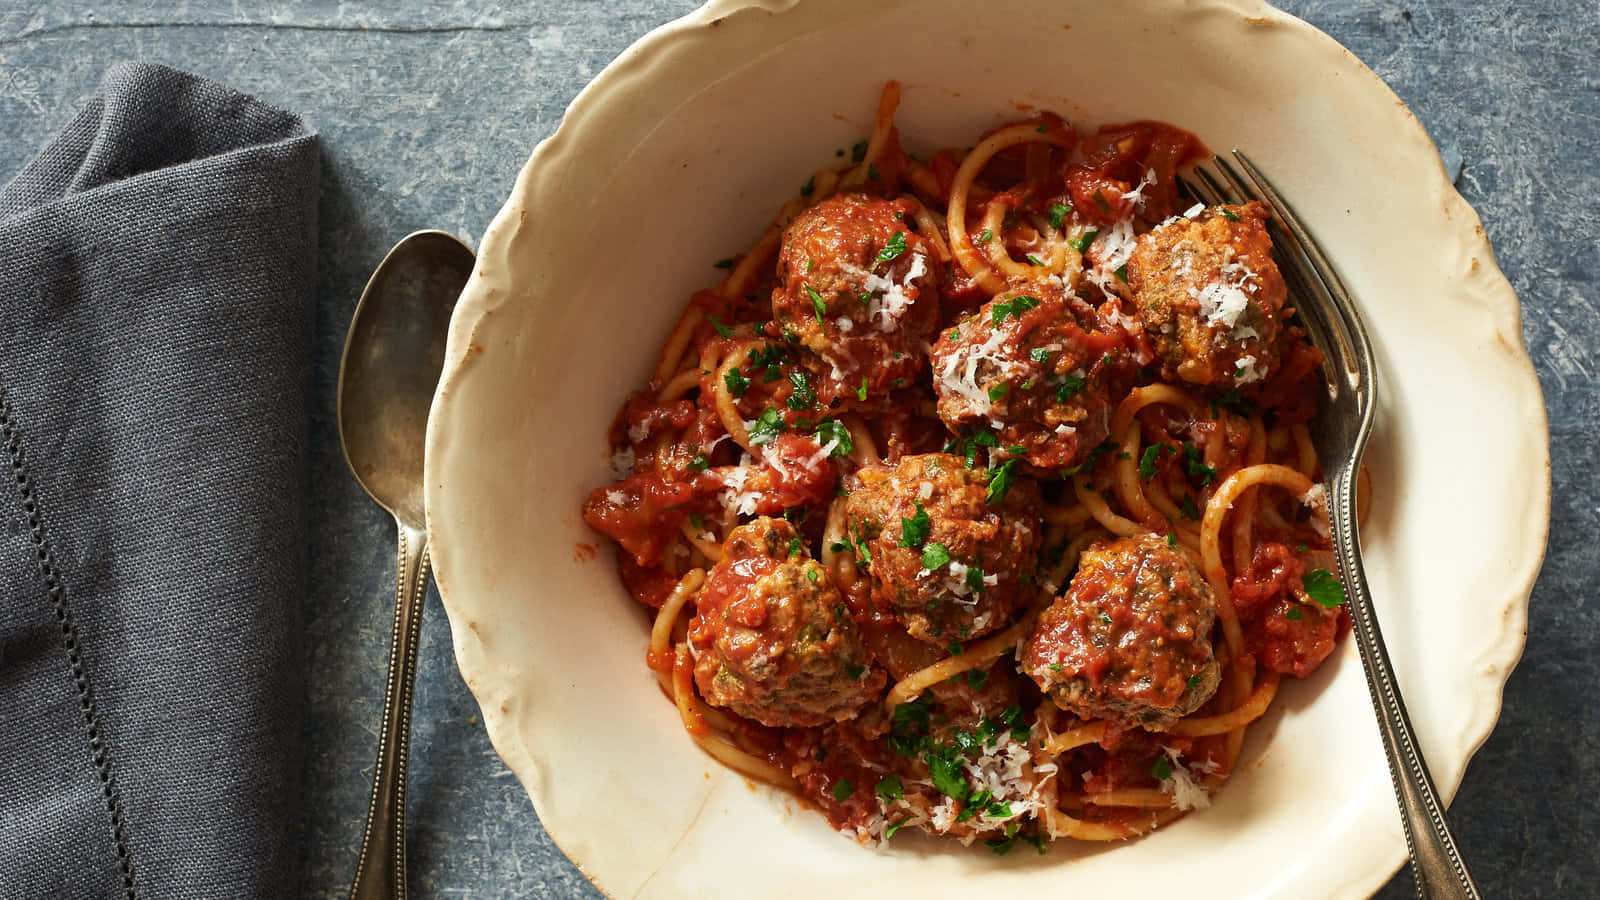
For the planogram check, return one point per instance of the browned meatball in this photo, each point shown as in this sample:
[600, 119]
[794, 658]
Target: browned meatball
[1024, 368]
[859, 287]
[772, 638]
[1210, 296]
[1131, 639]
[947, 561]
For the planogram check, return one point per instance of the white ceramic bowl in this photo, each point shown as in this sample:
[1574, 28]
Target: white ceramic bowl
[679, 153]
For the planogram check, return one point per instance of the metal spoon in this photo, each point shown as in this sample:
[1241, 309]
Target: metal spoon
[391, 364]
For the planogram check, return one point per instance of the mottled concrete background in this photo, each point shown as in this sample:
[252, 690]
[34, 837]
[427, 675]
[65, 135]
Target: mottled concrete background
[419, 131]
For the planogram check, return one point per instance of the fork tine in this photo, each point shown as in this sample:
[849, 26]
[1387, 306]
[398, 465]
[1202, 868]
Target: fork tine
[1295, 266]
[1307, 247]
[1218, 186]
[1195, 192]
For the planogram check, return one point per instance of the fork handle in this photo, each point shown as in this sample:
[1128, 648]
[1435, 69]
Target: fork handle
[381, 869]
[1439, 870]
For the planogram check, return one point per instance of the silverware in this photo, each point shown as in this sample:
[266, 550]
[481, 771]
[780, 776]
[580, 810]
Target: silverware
[1340, 435]
[391, 364]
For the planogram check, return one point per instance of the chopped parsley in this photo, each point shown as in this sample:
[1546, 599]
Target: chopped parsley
[1082, 241]
[914, 531]
[1172, 539]
[895, 247]
[736, 382]
[1323, 587]
[1035, 260]
[818, 306]
[1294, 614]
[1231, 216]
[842, 789]
[723, 264]
[1186, 507]
[935, 556]
[1039, 355]
[893, 827]
[872, 172]
[795, 546]
[803, 396]
[1101, 201]
[1069, 386]
[861, 392]
[1001, 480]
[967, 447]
[767, 427]
[977, 678]
[1194, 681]
[944, 767]
[1058, 214]
[889, 787]
[699, 464]
[975, 579]
[1234, 402]
[1043, 128]
[767, 359]
[1100, 449]
[1161, 769]
[721, 329]
[1195, 464]
[808, 187]
[1122, 273]
[833, 431]
[1016, 306]
[858, 151]
[816, 576]
[1150, 459]
[988, 234]
[998, 391]
[1301, 547]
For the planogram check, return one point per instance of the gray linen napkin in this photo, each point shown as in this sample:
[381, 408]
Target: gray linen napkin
[155, 295]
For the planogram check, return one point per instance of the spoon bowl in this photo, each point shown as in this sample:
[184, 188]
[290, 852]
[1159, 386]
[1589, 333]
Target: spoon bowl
[392, 360]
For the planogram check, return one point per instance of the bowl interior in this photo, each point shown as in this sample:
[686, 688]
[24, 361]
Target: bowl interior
[679, 155]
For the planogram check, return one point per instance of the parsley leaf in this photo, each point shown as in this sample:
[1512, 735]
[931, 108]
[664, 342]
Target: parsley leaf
[1194, 463]
[1070, 385]
[817, 304]
[1039, 355]
[1122, 273]
[1229, 214]
[721, 329]
[699, 463]
[736, 382]
[895, 247]
[1234, 402]
[893, 827]
[944, 767]
[809, 186]
[914, 531]
[998, 391]
[1172, 539]
[889, 787]
[1101, 201]
[1016, 306]
[935, 556]
[1058, 214]
[977, 678]
[1194, 681]
[1035, 260]
[1082, 241]
[975, 579]
[1186, 507]
[1001, 480]
[1324, 588]
[842, 789]
[767, 427]
[831, 431]
[988, 235]
[1149, 459]
[858, 151]
[861, 392]
[803, 397]
[1294, 614]
[1161, 768]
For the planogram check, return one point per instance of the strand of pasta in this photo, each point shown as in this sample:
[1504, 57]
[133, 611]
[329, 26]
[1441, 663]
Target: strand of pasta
[956, 216]
[688, 587]
[1255, 453]
[1101, 511]
[882, 124]
[727, 409]
[695, 723]
[973, 656]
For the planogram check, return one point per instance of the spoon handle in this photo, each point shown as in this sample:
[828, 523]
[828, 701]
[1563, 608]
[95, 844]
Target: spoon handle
[381, 870]
[1440, 872]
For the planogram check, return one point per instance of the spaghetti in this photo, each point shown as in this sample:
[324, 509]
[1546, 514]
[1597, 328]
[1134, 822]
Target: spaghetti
[978, 497]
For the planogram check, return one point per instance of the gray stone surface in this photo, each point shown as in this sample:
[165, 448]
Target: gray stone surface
[420, 130]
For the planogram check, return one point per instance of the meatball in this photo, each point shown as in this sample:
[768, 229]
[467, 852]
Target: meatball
[950, 564]
[1210, 296]
[1130, 641]
[859, 288]
[772, 638]
[1025, 367]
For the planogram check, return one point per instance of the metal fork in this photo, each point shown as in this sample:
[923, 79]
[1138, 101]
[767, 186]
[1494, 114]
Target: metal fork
[1340, 435]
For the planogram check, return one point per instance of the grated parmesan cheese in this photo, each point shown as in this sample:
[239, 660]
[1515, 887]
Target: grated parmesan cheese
[1250, 370]
[959, 371]
[638, 432]
[889, 299]
[1186, 790]
[617, 497]
[622, 463]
